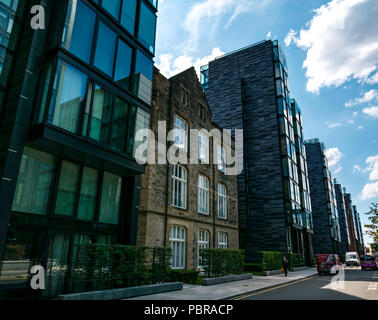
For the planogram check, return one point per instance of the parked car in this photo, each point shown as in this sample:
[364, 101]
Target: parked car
[328, 263]
[368, 262]
[352, 259]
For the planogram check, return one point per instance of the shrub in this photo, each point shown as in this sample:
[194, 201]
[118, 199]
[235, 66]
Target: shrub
[271, 260]
[186, 276]
[222, 262]
[253, 267]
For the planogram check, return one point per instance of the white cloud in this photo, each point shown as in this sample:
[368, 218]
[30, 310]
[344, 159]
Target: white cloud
[268, 35]
[333, 125]
[372, 112]
[350, 122]
[334, 156]
[357, 168]
[366, 97]
[355, 114]
[370, 191]
[169, 66]
[207, 14]
[341, 42]
[360, 127]
[372, 167]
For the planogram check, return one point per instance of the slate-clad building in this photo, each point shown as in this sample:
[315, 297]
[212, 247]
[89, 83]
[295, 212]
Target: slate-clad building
[343, 220]
[327, 235]
[73, 95]
[249, 89]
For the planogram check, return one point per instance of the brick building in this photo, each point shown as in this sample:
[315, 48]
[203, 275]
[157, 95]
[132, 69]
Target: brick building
[186, 207]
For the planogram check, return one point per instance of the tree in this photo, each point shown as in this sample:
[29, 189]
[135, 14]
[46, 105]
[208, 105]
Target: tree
[372, 228]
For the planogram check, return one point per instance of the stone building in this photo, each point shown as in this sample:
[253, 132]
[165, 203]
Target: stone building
[193, 206]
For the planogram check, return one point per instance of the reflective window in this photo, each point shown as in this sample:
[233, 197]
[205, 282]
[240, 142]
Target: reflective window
[147, 27]
[123, 65]
[119, 124]
[88, 194]
[128, 15]
[110, 199]
[143, 77]
[222, 240]
[142, 121]
[34, 182]
[68, 95]
[203, 195]
[181, 133]
[177, 241]
[68, 186]
[105, 49]
[203, 146]
[79, 29]
[221, 159]
[112, 6]
[222, 201]
[179, 183]
[203, 243]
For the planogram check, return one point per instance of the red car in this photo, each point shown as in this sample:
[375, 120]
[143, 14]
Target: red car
[328, 263]
[368, 262]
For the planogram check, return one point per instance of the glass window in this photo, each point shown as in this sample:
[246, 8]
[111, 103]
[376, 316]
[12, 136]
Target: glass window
[123, 65]
[110, 199]
[203, 243]
[222, 240]
[203, 146]
[101, 115]
[147, 27]
[128, 15]
[142, 121]
[181, 133]
[67, 190]
[68, 95]
[88, 194]
[112, 6]
[143, 77]
[78, 30]
[177, 240]
[105, 49]
[222, 201]
[179, 182]
[203, 195]
[221, 159]
[119, 125]
[34, 182]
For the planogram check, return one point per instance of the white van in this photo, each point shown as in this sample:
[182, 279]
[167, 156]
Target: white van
[352, 259]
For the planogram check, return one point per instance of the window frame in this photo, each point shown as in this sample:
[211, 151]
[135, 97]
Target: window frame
[202, 244]
[223, 240]
[222, 197]
[175, 231]
[184, 185]
[206, 191]
[181, 133]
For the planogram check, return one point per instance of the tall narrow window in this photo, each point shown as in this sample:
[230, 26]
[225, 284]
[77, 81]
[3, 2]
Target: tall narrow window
[177, 240]
[203, 195]
[67, 190]
[34, 182]
[68, 95]
[222, 240]
[179, 182]
[112, 6]
[222, 201]
[79, 29]
[221, 159]
[119, 124]
[142, 121]
[105, 49]
[101, 115]
[88, 194]
[147, 27]
[128, 15]
[181, 133]
[203, 146]
[123, 65]
[143, 77]
[203, 243]
[110, 199]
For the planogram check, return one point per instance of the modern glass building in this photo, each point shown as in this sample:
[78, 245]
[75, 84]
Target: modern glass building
[327, 235]
[73, 96]
[249, 89]
[343, 219]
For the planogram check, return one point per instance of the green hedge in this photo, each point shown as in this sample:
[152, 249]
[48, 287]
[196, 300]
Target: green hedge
[253, 267]
[222, 262]
[271, 260]
[186, 276]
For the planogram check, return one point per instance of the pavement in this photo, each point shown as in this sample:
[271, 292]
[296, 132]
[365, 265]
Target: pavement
[232, 289]
[354, 284]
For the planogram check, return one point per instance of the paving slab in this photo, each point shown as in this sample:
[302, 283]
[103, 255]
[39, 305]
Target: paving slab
[229, 290]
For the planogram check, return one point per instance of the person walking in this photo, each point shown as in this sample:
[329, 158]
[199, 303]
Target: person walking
[285, 265]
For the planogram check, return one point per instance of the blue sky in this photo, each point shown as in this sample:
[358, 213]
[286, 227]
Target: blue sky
[332, 51]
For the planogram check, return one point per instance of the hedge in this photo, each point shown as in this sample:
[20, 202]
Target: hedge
[186, 276]
[222, 262]
[253, 267]
[271, 260]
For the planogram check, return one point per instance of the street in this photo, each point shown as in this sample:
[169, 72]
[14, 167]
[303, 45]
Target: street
[359, 285]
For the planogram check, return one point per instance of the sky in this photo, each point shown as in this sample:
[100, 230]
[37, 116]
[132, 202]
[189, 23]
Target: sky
[332, 52]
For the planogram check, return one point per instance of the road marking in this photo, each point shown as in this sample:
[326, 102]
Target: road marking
[373, 286]
[272, 289]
